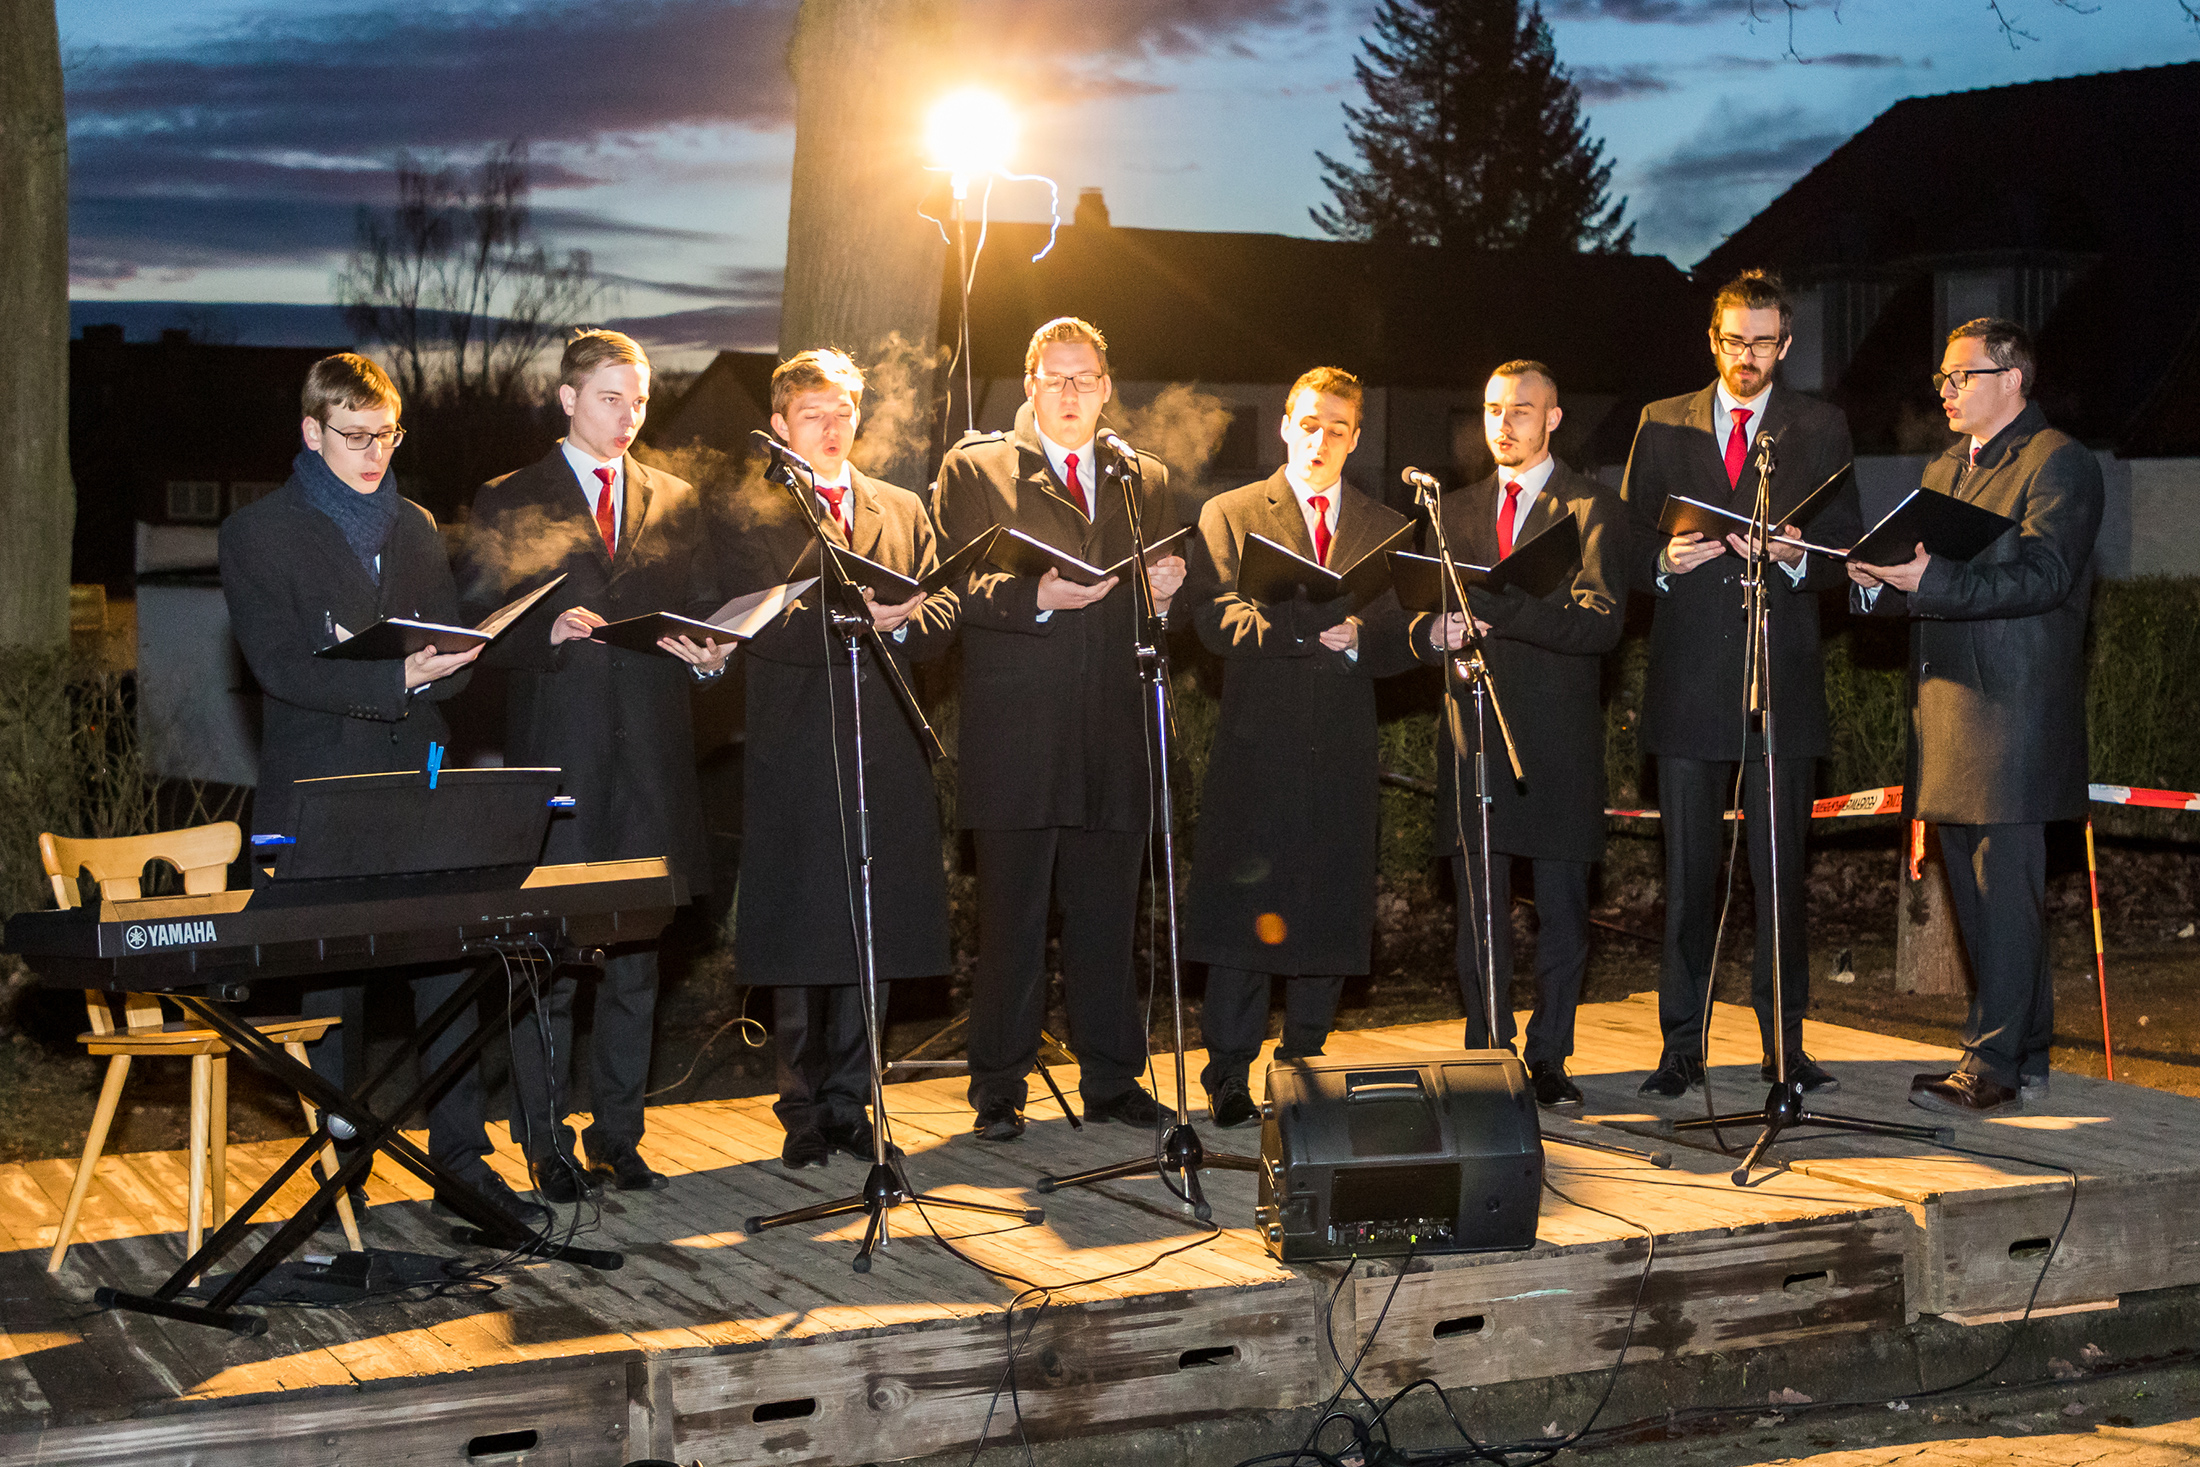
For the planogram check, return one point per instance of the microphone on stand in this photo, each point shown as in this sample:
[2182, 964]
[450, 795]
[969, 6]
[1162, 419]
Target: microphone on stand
[780, 452]
[1425, 487]
[1126, 457]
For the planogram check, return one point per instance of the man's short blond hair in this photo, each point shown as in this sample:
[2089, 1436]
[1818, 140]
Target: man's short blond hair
[1329, 382]
[814, 371]
[350, 382]
[1065, 328]
[594, 347]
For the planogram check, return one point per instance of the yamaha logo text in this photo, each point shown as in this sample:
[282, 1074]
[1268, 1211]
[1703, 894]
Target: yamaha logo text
[141, 936]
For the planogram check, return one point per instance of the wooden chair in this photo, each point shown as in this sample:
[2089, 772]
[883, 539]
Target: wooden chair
[202, 854]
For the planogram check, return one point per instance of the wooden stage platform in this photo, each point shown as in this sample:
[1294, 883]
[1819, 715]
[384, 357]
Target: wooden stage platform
[713, 1345]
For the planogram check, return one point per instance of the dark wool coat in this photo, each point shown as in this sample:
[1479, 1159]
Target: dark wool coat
[1052, 722]
[616, 722]
[799, 887]
[290, 579]
[1693, 699]
[1546, 658]
[1997, 643]
[1288, 811]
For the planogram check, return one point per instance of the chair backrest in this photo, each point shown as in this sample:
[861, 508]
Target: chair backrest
[201, 852]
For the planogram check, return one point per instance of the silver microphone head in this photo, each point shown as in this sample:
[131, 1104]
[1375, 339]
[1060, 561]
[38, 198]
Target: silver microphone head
[1113, 441]
[1420, 480]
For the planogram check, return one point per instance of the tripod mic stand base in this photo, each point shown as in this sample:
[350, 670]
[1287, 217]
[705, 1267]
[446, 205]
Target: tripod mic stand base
[1784, 1110]
[1180, 1155]
[884, 1189]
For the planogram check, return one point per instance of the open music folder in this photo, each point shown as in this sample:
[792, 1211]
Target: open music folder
[396, 637]
[890, 586]
[1684, 516]
[738, 620]
[1946, 526]
[1025, 555]
[1270, 573]
[1538, 566]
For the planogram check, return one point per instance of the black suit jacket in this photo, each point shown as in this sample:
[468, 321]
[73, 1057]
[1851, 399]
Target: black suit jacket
[1694, 698]
[1289, 807]
[1052, 725]
[290, 579]
[1546, 659]
[797, 805]
[1997, 643]
[616, 722]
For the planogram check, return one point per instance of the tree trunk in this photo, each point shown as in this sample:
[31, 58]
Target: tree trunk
[37, 499]
[1928, 951]
[862, 266]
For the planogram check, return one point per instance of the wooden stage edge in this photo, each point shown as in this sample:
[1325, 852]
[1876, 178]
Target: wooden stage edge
[714, 1345]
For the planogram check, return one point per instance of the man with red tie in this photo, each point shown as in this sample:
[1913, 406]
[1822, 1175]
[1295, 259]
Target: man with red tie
[1695, 718]
[1053, 762]
[1283, 879]
[630, 541]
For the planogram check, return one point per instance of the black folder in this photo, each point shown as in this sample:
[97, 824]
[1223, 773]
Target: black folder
[1683, 516]
[1270, 573]
[1024, 555]
[738, 620]
[1538, 566]
[890, 586]
[397, 637]
[1947, 526]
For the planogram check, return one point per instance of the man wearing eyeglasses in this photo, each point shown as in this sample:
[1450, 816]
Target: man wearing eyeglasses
[1997, 712]
[1696, 718]
[1053, 766]
[332, 552]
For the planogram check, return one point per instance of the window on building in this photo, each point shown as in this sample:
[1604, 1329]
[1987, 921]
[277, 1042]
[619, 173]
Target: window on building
[243, 491]
[194, 499]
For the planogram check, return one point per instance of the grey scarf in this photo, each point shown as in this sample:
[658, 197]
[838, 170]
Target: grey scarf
[364, 519]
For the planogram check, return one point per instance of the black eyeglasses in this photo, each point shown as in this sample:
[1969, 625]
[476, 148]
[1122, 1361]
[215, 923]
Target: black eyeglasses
[358, 439]
[1962, 376]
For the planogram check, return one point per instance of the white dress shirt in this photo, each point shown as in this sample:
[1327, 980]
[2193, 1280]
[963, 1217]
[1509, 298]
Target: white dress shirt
[1531, 482]
[845, 482]
[585, 465]
[1088, 471]
[1326, 515]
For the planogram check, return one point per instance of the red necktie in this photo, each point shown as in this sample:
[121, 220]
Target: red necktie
[1505, 518]
[1319, 503]
[607, 520]
[1076, 490]
[833, 494]
[1737, 448]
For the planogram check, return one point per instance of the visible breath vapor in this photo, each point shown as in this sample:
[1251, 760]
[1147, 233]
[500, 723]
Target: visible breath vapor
[897, 407]
[1182, 427]
[517, 550]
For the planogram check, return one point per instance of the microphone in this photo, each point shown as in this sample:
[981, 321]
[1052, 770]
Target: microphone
[1126, 456]
[1419, 480]
[759, 439]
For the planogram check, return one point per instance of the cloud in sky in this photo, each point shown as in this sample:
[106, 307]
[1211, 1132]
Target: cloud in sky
[1712, 183]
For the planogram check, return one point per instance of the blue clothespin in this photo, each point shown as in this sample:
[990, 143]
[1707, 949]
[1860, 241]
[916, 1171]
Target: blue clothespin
[435, 763]
[274, 840]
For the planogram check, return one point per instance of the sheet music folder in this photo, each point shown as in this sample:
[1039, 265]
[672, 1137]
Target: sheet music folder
[738, 620]
[398, 637]
[394, 835]
[1945, 525]
[1685, 516]
[1538, 566]
[1024, 555]
[890, 586]
[1270, 573]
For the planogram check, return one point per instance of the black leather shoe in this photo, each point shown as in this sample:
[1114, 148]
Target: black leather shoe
[625, 1170]
[1551, 1085]
[855, 1138]
[805, 1147]
[1003, 1120]
[560, 1179]
[1965, 1094]
[1675, 1076]
[523, 1210]
[1814, 1077]
[1232, 1105]
[1134, 1107]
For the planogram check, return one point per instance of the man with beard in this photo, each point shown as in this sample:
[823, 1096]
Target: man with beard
[1695, 717]
[1545, 656]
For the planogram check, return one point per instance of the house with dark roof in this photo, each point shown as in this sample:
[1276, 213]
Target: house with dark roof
[2068, 205]
[1238, 317]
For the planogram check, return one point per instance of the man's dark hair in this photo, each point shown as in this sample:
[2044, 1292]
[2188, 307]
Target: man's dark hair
[1753, 290]
[2009, 344]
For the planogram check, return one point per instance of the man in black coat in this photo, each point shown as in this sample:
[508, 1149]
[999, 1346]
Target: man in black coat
[1997, 706]
[1545, 657]
[1695, 716]
[630, 541]
[797, 914]
[332, 552]
[1053, 768]
[1283, 876]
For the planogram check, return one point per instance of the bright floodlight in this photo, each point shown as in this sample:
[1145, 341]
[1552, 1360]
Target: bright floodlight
[970, 132]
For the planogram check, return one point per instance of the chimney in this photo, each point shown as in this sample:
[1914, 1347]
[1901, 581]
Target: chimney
[1092, 209]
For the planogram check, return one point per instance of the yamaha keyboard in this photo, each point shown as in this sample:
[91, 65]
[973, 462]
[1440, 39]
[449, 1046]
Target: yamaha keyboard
[225, 940]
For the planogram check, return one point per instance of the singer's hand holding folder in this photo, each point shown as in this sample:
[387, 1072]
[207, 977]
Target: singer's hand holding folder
[1271, 574]
[736, 621]
[890, 586]
[397, 637]
[1537, 566]
[1023, 555]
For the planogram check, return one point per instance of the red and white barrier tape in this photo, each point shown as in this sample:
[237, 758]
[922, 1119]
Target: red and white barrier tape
[1889, 800]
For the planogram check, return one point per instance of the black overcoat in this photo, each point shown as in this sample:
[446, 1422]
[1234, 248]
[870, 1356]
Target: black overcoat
[616, 722]
[1289, 810]
[1052, 729]
[290, 579]
[1997, 643]
[1546, 659]
[1693, 699]
[799, 834]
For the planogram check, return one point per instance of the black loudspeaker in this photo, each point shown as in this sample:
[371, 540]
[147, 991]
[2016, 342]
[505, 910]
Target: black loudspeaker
[1438, 1155]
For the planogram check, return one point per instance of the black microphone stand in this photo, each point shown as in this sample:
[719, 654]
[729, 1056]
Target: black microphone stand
[1179, 1157]
[1784, 1107]
[886, 1187]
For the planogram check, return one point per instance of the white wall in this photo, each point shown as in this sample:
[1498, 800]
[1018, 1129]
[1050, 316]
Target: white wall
[194, 716]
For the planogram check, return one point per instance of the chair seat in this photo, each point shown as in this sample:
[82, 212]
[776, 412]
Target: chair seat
[179, 1038]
